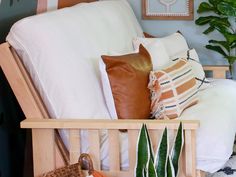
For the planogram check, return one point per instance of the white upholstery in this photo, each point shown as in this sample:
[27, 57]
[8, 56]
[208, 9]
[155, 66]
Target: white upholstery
[61, 50]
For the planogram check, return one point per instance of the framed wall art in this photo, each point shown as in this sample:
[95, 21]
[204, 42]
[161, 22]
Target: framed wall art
[168, 9]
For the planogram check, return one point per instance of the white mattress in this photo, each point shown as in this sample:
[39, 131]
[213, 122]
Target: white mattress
[215, 137]
[62, 54]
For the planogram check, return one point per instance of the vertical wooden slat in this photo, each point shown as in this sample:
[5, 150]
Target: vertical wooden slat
[43, 152]
[190, 153]
[132, 136]
[74, 146]
[94, 148]
[114, 150]
[219, 74]
[42, 6]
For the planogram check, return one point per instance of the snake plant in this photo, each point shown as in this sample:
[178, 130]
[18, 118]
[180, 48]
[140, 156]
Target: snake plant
[220, 17]
[163, 164]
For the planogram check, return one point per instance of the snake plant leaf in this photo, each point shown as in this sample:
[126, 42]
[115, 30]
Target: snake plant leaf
[222, 43]
[151, 169]
[150, 144]
[177, 148]
[162, 155]
[170, 168]
[143, 154]
[205, 7]
[227, 9]
[217, 49]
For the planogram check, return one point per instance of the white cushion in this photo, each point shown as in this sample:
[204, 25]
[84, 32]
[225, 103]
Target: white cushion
[174, 43]
[157, 50]
[61, 50]
[198, 71]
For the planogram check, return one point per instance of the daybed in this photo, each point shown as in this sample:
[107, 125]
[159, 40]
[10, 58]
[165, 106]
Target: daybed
[51, 63]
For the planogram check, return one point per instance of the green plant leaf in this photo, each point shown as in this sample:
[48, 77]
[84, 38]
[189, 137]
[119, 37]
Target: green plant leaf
[233, 45]
[177, 148]
[214, 22]
[216, 49]
[205, 7]
[222, 43]
[209, 30]
[231, 2]
[203, 20]
[170, 168]
[231, 59]
[231, 38]
[227, 9]
[162, 155]
[214, 3]
[150, 144]
[151, 169]
[143, 154]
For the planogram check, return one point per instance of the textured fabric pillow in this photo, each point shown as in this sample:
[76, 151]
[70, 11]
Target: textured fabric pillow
[198, 71]
[174, 43]
[159, 55]
[173, 89]
[129, 76]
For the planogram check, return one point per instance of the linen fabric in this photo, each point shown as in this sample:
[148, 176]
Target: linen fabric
[174, 43]
[61, 51]
[173, 89]
[129, 76]
[192, 57]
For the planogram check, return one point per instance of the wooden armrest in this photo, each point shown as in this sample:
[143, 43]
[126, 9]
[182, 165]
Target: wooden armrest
[219, 71]
[106, 124]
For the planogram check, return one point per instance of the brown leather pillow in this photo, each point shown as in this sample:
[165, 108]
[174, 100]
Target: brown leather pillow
[146, 35]
[129, 77]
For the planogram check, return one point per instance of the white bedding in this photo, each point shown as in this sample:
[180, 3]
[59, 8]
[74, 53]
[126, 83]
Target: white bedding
[215, 137]
[62, 53]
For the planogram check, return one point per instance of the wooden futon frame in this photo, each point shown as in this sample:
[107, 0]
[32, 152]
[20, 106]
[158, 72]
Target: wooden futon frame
[50, 153]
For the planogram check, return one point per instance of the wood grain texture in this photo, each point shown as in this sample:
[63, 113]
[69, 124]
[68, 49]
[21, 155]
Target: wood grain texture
[42, 6]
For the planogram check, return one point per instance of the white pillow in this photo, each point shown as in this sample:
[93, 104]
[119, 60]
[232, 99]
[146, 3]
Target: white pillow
[106, 86]
[174, 43]
[157, 50]
[192, 57]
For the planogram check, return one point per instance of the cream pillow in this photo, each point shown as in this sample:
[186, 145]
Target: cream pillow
[173, 89]
[174, 43]
[159, 55]
[198, 71]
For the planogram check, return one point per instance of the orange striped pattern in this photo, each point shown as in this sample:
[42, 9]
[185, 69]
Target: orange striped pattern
[173, 89]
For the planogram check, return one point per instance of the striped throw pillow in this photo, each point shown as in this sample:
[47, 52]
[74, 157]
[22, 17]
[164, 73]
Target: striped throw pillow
[173, 89]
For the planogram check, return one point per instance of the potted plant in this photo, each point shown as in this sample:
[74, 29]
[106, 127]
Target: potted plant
[164, 162]
[222, 19]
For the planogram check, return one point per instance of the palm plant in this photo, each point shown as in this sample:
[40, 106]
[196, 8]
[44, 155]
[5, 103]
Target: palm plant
[223, 20]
